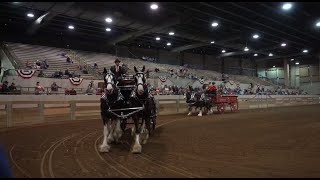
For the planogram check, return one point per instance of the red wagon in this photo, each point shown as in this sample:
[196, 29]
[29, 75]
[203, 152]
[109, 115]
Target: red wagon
[221, 102]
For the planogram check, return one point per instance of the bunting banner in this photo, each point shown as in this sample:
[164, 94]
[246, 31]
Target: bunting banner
[26, 73]
[76, 81]
[201, 81]
[163, 78]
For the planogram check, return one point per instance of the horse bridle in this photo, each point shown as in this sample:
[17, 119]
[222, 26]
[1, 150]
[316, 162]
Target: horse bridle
[143, 79]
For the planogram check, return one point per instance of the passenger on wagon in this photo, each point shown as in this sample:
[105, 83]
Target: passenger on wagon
[212, 89]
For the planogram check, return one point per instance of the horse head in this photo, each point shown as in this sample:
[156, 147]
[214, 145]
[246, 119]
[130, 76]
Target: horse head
[109, 82]
[140, 80]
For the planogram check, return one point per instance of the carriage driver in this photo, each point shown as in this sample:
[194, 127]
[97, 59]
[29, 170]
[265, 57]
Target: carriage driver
[117, 70]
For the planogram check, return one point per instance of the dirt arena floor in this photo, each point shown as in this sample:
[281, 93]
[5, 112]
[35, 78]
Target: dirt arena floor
[282, 142]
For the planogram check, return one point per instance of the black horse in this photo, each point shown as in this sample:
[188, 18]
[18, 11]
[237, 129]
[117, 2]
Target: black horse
[198, 100]
[111, 99]
[140, 97]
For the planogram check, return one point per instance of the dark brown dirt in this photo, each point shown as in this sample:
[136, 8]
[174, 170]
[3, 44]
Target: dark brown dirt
[282, 142]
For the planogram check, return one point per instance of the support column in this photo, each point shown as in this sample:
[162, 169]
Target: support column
[222, 65]
[203, 61]
[286, 73]
[241, 66]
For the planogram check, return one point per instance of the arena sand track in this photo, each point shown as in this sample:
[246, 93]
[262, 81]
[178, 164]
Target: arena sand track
[282, 142]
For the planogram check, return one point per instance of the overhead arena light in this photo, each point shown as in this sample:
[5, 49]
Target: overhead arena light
[71, 27]
[274, 66]
[292, 59]
[154, 6]
[246, 49]
[171, 33]
[255, 36]
[108, 20]
[305, 51]
[212, 42]
[318, 24]
[283, 44]
[223, 51]
[108, 29]
[297, 63]
[255, 55]
[270, 54]
[30, 15]
[287, 6]
[158, 38]
[168, 44]
[214, 24]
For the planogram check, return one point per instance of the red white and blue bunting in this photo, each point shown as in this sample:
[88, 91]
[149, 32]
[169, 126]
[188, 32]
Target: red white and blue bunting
[163, 78]
[76, 81]
[201, 80]
[26, 73]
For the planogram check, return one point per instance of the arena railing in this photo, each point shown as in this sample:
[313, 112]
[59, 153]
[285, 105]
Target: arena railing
[19, 111]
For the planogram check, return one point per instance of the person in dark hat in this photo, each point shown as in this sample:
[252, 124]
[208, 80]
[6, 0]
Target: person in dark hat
[117, 70]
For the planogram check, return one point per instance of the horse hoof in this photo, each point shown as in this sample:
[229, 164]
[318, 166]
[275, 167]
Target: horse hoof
[104, 149]
[136, 149]
[199, 114]
[189, 114]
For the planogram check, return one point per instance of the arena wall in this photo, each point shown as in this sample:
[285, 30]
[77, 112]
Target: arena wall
[20, 110]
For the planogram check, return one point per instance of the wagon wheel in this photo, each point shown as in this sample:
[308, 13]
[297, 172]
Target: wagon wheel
[220, 108]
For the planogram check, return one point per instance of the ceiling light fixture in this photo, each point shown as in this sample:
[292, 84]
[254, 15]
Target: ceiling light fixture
[108, 29]
[246, 49]
[214, 24]
[270, 54]
[171, 33]
[318, 24]
[255, 36]
[255, 55]
[305, 51]
[158, 38]
[30, 15]
[212, 42]
[223, 51]
[297, 63]
[154, 6]
[292, 59]
[168, 44]
[71, 27]
[286, 6]
[283, 44]
[108, 20]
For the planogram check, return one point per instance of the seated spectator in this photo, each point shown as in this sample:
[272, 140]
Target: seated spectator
[39, 89]
[45, 63]
[95, 66]
[73, 92]
[55, 74]
[38, 63]
[54, 87]
[68, 60]
[85, 70]
[12, 87]
[67, 73]
[60, 73]
[5, 88]
[41, 74]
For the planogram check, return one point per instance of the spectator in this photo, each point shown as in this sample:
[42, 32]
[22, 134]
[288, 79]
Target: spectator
[95, 66]
[67, 73]
[73, 92]
[68, 60]
[12, 87]
[60, 73]
[28, 65]
[5, 88]
[54, 88]
[41, 74]
[39, 89]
